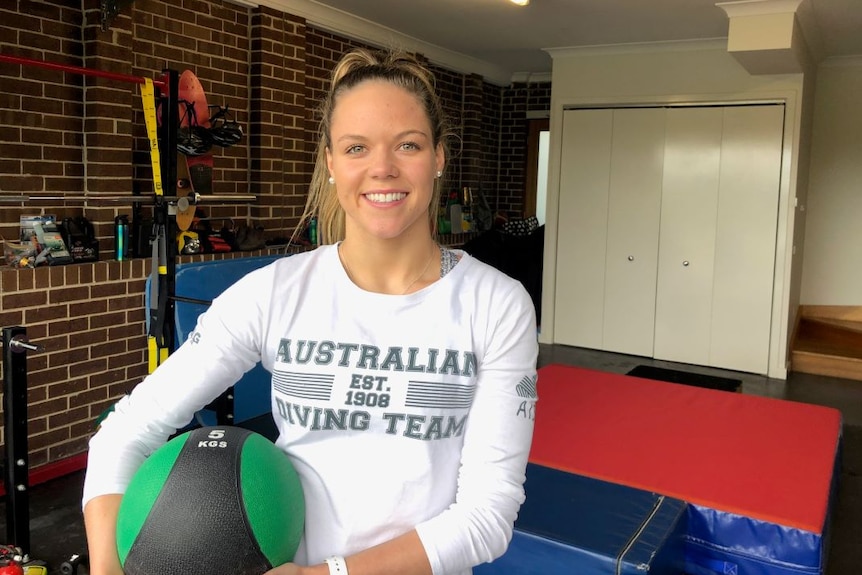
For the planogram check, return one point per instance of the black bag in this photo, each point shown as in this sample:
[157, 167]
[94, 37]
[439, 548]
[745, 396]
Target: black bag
[80, 238]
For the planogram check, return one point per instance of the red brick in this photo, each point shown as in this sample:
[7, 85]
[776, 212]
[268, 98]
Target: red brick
[89, 308]
[67, 387]
[69, 448]
[49, 438]
[43, 408]
[63, 295]
[69, 357]
[48, 376]
[23, 300]
[47, 313]
[88, 367]
[68, 417]
[36, 393]
[107, 349]
[38, 425]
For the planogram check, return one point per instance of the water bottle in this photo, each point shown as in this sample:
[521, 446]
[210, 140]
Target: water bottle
[312, 231]
[122, 243]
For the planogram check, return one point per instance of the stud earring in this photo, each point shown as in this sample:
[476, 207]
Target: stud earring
[439, 173]
[331, 181]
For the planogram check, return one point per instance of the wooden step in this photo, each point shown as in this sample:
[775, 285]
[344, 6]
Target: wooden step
[850, 325]
[823, 337]
[826, 346]
[827, 365]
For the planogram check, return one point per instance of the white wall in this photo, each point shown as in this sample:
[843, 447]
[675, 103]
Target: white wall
[832, 266]
[677, 73]
[542, 176]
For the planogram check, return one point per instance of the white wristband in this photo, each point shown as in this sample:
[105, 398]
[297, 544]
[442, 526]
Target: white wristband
[337, 565]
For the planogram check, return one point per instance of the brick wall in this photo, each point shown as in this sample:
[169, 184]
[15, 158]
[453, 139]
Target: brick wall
[68, 135]
[89, 318]
[518, 99]
[489, 149]
[450, 87]
[41, 110]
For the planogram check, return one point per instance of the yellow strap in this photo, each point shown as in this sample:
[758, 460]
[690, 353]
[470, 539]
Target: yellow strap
[156, 355]
[148, 97]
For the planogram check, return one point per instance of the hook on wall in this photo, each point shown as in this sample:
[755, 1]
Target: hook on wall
[109, 10]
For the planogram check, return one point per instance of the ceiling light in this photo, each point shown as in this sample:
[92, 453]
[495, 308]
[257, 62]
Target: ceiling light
[520, 2]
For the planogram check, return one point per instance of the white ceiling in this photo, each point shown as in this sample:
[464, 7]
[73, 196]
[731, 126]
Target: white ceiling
[500, 39]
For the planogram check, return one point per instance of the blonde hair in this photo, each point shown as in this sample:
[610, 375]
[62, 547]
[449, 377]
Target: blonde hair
[355, 67]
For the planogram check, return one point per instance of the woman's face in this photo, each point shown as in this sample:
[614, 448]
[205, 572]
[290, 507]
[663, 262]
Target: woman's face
[383, 160]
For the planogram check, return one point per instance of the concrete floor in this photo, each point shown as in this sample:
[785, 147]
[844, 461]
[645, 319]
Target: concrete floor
[57, 528]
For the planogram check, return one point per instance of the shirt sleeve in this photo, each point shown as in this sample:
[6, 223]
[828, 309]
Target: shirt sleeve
[225, 344]
[478, 527]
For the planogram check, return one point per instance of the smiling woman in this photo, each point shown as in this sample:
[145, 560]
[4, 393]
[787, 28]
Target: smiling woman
[376, 183]
[403, 373]
[384, 179]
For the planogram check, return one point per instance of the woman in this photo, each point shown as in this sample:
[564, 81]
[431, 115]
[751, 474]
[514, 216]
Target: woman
[432, 352]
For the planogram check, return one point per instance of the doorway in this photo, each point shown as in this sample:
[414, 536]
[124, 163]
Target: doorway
[536, 185]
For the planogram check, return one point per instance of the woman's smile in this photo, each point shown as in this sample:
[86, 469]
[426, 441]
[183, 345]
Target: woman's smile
[385, 197]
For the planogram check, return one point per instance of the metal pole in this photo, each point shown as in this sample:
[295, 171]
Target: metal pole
[16, 480]
[211, 199]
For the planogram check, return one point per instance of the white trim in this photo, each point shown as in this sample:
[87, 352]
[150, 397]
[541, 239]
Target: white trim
[664, 103]
[348, 25]
[640, 47]
[538, 114]
[531, 77]
[758, 7]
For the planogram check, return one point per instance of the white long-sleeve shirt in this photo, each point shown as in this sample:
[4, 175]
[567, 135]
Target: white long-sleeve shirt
[398, 412]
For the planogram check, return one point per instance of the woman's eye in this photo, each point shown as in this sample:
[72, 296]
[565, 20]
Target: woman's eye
[409, 146]
[355, 149]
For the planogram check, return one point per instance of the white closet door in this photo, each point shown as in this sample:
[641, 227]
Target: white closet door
[583, 214]
[634, 207]
[746, 235]
[687, 237]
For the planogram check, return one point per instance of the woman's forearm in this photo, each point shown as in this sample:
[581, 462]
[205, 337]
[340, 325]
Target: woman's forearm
[100, 520]
[404, 555]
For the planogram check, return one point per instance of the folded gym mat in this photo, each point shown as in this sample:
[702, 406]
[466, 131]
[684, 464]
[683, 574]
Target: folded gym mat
[575, 524]
[195, 285]
[758, 473]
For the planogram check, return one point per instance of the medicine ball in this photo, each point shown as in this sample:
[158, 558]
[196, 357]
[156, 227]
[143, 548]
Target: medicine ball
[211, 501]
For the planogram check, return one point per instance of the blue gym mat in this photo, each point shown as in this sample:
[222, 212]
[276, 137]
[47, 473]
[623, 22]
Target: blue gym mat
[571, 524]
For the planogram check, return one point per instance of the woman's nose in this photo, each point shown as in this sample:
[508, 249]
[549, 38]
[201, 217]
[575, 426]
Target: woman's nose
[383, 164]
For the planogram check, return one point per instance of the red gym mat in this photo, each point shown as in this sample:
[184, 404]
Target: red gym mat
[757, 457]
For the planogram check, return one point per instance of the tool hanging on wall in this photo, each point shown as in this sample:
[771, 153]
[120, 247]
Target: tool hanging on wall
[161, 93]
[159, 338]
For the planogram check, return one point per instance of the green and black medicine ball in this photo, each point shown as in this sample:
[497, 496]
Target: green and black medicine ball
[213, 501]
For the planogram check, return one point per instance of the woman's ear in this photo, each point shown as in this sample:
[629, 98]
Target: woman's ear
[440, 159]
[328, 159]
